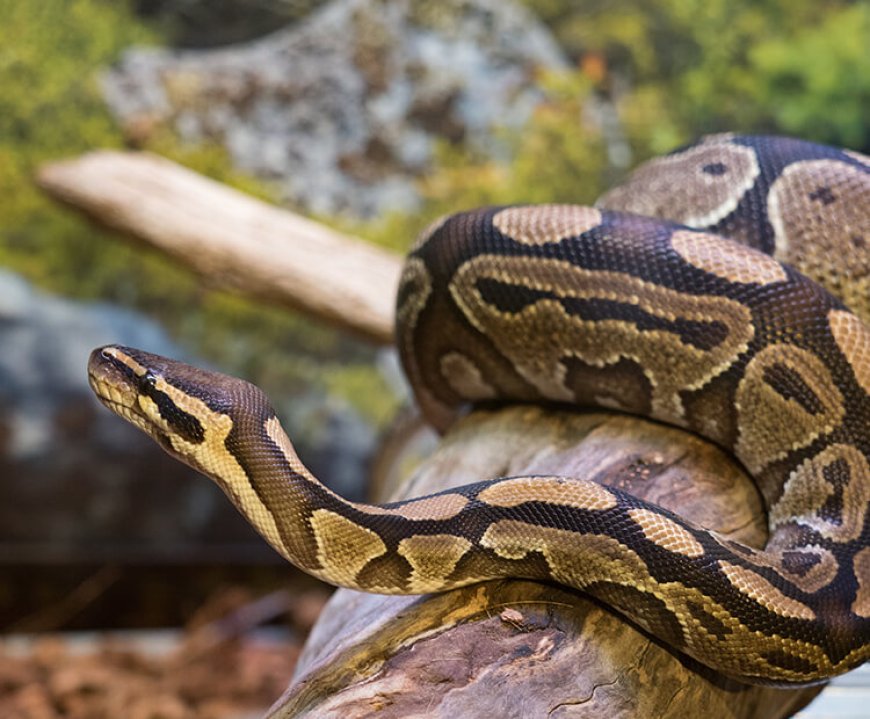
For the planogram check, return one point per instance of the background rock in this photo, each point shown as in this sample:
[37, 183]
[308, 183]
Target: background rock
[78, 483]
[343, 109]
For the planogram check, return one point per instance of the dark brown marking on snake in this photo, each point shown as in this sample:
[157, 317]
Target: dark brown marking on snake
[790, 385]
[506, 297]
[715, 168]
[823, 194]
[838, 475]
[799, 563]
[184, 423]
[649, 611]
[713, 625]
[622, 385]
[790, 662]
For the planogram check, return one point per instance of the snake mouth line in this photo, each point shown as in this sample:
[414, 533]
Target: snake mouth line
[110, 395]
[125, 406]
[112, 383]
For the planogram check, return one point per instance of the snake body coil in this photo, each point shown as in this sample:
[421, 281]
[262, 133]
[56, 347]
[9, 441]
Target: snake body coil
[593, 306]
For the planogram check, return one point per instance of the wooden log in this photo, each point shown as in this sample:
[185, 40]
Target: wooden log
[520, 649]
[233, 240]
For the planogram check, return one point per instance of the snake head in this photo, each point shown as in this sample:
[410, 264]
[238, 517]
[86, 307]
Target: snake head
[189, 411]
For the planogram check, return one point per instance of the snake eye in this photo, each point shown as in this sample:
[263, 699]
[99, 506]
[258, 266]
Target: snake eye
[147, 382]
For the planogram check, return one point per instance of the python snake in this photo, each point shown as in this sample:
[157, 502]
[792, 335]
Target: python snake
[596, 306]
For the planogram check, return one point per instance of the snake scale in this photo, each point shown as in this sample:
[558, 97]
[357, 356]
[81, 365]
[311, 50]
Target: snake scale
[609, 306]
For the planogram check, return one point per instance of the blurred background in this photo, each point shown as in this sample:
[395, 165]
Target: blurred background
[373, 117]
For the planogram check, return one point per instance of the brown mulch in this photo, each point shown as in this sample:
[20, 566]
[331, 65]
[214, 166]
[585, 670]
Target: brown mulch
[218, 669]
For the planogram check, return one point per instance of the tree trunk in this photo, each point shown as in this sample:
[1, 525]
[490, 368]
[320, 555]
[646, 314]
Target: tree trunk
[521, 649]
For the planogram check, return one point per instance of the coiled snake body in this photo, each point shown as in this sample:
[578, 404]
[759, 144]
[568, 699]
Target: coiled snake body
[594, 306]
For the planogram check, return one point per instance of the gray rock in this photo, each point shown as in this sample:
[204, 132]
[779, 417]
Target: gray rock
[343, 110]
[76, 482]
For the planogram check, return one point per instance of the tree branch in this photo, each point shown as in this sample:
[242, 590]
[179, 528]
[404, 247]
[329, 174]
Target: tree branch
[235, 241]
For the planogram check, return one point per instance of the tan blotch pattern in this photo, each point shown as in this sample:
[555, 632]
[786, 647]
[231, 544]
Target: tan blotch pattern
[772, 425]
[760, 590]
[807, 490]
[666, 533]
[442, 506]
[820, 575]
[414, 275]
[465, 377]
[343, 547]
[574, 558]
[853, 339]
[582, 494]
[537, 339]
[582, 560]
[544, 224]
[432, 558]
[820, 212]
[697, 187]
[861, 605]
[726, 259]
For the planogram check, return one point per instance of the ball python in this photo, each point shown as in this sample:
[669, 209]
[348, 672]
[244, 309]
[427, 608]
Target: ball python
[614, 306]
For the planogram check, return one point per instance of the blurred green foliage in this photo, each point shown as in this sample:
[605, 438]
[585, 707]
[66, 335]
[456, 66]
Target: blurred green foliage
[50, 107]
[665, 70]
[51, 54]
[679, 68]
